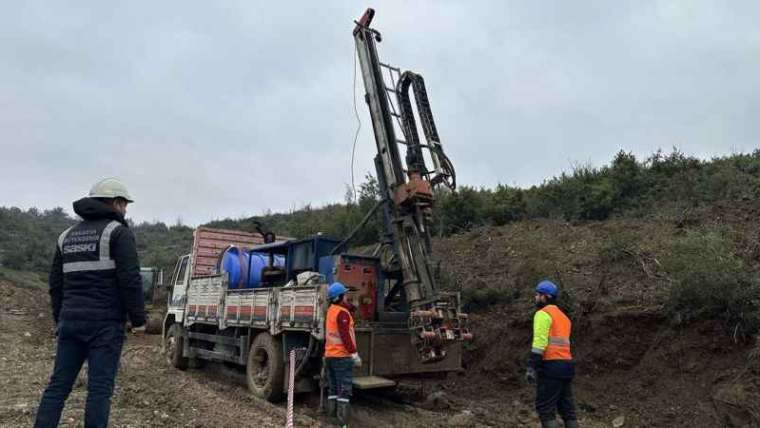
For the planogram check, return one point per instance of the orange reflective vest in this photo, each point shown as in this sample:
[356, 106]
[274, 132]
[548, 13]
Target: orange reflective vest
[333, 343]
[559, 335]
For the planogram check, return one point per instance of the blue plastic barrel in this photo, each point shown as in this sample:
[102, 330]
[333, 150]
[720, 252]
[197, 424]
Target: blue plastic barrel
[235, 263]
[257, 262]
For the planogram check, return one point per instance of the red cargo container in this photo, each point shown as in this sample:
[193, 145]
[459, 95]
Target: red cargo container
[208, 244]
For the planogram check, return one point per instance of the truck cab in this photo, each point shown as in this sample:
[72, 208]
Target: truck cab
[177, 292]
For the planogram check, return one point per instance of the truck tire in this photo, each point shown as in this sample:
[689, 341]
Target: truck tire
[173, 343]
[265, 368]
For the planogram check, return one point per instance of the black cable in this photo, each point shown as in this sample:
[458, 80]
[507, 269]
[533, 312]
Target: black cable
[356, 135]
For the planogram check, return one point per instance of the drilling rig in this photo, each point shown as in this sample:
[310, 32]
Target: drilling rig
[250, 299]
[407, 193]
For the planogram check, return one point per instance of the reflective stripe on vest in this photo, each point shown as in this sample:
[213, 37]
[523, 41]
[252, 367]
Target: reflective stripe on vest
[105, 261]
[559, 335]
[334, 347]
[61, 237]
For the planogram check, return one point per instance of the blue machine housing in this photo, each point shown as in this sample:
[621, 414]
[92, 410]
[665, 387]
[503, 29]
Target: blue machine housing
[315, 254]
[245, 267]
[300, 255]
[234, 261]
[257, 262]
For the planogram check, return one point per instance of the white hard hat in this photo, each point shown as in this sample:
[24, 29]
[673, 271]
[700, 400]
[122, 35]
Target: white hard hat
[110, 188]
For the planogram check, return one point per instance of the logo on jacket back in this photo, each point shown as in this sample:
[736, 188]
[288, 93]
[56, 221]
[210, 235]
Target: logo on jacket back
[81, 241]
[79, 248]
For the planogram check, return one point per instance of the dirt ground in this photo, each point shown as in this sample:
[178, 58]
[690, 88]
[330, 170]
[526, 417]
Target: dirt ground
[148, 393]
[635, 369]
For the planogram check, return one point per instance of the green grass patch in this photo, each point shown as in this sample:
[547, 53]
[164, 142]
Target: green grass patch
[23, 279]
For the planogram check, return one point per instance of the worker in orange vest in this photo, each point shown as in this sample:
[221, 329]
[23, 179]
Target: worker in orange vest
[341, 355]
[551, 364]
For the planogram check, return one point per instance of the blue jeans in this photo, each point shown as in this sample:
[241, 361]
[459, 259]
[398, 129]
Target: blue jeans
[98, 342]
[340, 374]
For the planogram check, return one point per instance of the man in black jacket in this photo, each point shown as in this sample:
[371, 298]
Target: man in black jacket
[95, 285]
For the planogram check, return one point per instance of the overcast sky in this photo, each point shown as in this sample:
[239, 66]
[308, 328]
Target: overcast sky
[209, 110]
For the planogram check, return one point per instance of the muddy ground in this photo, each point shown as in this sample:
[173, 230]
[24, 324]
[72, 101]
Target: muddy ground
[635, 367]
[149, 393]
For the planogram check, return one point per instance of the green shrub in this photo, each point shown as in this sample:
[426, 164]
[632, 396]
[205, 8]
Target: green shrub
[617, 247]
[710, 282]
[460, 210]
[586, 194]
[597, 201]
[627, 176]
[479, 298]
[506, 205]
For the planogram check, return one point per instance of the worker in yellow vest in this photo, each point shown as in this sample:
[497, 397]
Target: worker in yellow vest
[341, 355]
[551, 364]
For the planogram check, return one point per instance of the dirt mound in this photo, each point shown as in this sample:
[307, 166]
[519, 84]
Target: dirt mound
[737, 399]
[632, 362]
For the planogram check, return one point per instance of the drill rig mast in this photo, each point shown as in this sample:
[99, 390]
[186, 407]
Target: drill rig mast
[407, 191]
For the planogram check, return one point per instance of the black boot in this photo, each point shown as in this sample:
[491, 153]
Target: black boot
[571, 423]
[344, 412]
[332, 406]
[551, 423]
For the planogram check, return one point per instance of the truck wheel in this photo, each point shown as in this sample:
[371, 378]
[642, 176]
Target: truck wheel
[173, 343]
[265, 369]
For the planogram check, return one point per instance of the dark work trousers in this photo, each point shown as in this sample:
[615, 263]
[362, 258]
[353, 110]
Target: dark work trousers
[97, 342]
[553, 395]
[340, 375]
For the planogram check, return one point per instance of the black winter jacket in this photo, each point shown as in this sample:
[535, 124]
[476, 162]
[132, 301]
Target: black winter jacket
[96, 273]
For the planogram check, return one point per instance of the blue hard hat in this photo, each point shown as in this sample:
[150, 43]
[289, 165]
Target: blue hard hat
[547, 287]
[336, 289]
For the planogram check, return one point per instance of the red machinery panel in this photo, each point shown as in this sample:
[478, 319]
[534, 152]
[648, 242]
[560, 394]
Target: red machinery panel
[359, 274]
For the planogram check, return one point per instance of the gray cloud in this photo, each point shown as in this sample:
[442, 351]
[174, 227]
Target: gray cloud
[214, 110]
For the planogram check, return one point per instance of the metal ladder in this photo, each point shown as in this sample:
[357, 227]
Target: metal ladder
[393, 75]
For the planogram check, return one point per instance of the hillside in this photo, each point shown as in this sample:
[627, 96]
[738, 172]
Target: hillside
[645, 340]
[640, 352]
[657, 260]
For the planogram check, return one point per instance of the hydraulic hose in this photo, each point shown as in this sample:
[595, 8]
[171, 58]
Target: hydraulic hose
[414, 158]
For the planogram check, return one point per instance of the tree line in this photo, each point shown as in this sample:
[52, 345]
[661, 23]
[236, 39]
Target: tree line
[627, 186]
